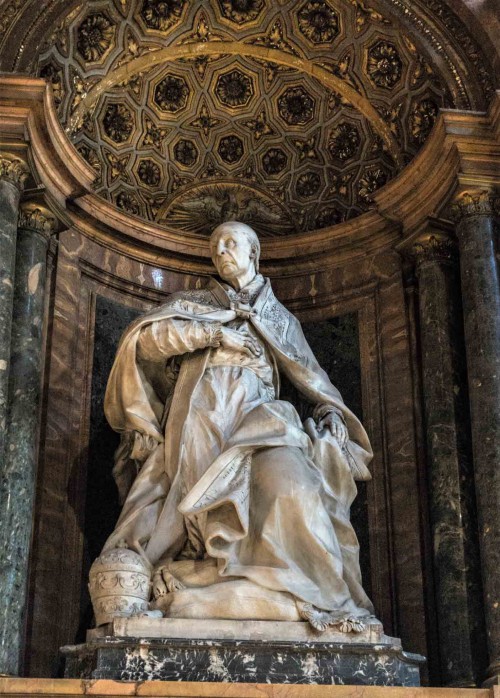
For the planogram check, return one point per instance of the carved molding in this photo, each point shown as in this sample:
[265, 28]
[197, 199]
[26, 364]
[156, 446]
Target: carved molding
[14, 170]
[37, 219]
[476, 203]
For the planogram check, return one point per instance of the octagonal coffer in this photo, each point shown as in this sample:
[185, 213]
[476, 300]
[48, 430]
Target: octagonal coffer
[384, 65]
[344, 141]
[161, 15]
[296, 106]
[171, 93]
[318, 22]
[118, 122]
[95, 36]
[234, 88]
[241, 11]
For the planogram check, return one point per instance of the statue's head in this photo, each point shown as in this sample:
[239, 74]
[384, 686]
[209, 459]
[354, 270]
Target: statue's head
[235, 250]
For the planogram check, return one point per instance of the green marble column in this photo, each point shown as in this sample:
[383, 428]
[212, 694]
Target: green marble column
[18, 475]
[13, 174]
[477, 233]
[457, 575]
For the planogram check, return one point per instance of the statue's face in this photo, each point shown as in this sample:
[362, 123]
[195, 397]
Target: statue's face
[232, 252]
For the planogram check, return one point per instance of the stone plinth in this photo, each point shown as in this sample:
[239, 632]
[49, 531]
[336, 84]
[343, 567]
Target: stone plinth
[64, 688]
[144, 649]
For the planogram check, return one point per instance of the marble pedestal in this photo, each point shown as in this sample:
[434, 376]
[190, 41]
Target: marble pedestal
[142, 649]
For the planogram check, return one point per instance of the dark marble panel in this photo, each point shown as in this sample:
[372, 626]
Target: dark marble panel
[335, 343]
[102, 506]
[243, 662]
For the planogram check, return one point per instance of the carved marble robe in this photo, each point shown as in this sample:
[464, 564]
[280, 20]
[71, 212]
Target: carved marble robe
[228, 471]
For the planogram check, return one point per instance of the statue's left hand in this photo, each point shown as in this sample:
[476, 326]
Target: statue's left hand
[335, 424]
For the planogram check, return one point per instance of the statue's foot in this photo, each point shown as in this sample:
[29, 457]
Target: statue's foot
[321, 620]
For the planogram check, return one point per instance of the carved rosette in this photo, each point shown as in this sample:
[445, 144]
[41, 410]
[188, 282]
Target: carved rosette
[119, 585]
[36, 219]
[476, 203]
[14, 170]
[434, 249]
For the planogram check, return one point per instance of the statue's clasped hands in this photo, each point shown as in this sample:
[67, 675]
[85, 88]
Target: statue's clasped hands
[240, 341]
[335, 424]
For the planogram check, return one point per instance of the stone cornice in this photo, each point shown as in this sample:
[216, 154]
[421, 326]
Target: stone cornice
[14, 170]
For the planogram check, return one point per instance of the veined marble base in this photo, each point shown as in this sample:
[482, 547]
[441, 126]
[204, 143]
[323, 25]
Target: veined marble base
[237, 652]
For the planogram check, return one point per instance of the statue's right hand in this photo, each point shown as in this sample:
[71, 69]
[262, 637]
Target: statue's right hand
[241, 341]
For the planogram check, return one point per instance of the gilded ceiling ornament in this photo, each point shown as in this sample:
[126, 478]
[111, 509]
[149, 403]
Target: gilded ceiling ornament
[186, 152]
[175, 181]
[230, 149]
[344, 141]
[149, 172]
[308, 184]
[118, 122]
[372, 179]
[296, 106]
[329, 216]
[384, 65]
[90, 156]
[234, 89]
[274, 161]
[161, 14]
[275, 39]
[95, 36]
[272, 70]
[423, 114]
[420, 69]
[259, 126]
[318, 22]
[128, 202]
[306, 148]
[171, 93]
[211, 170]
[205, 121]
[241, 11]
[392, 116]
[248, 173]
[199, 208]
[154, 135]
[366, 14]
[339, 185]
[53, 74]
[202, 62]
[117, 166]
[133, 83]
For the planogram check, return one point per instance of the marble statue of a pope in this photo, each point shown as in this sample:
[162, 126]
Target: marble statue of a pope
[240, 508]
